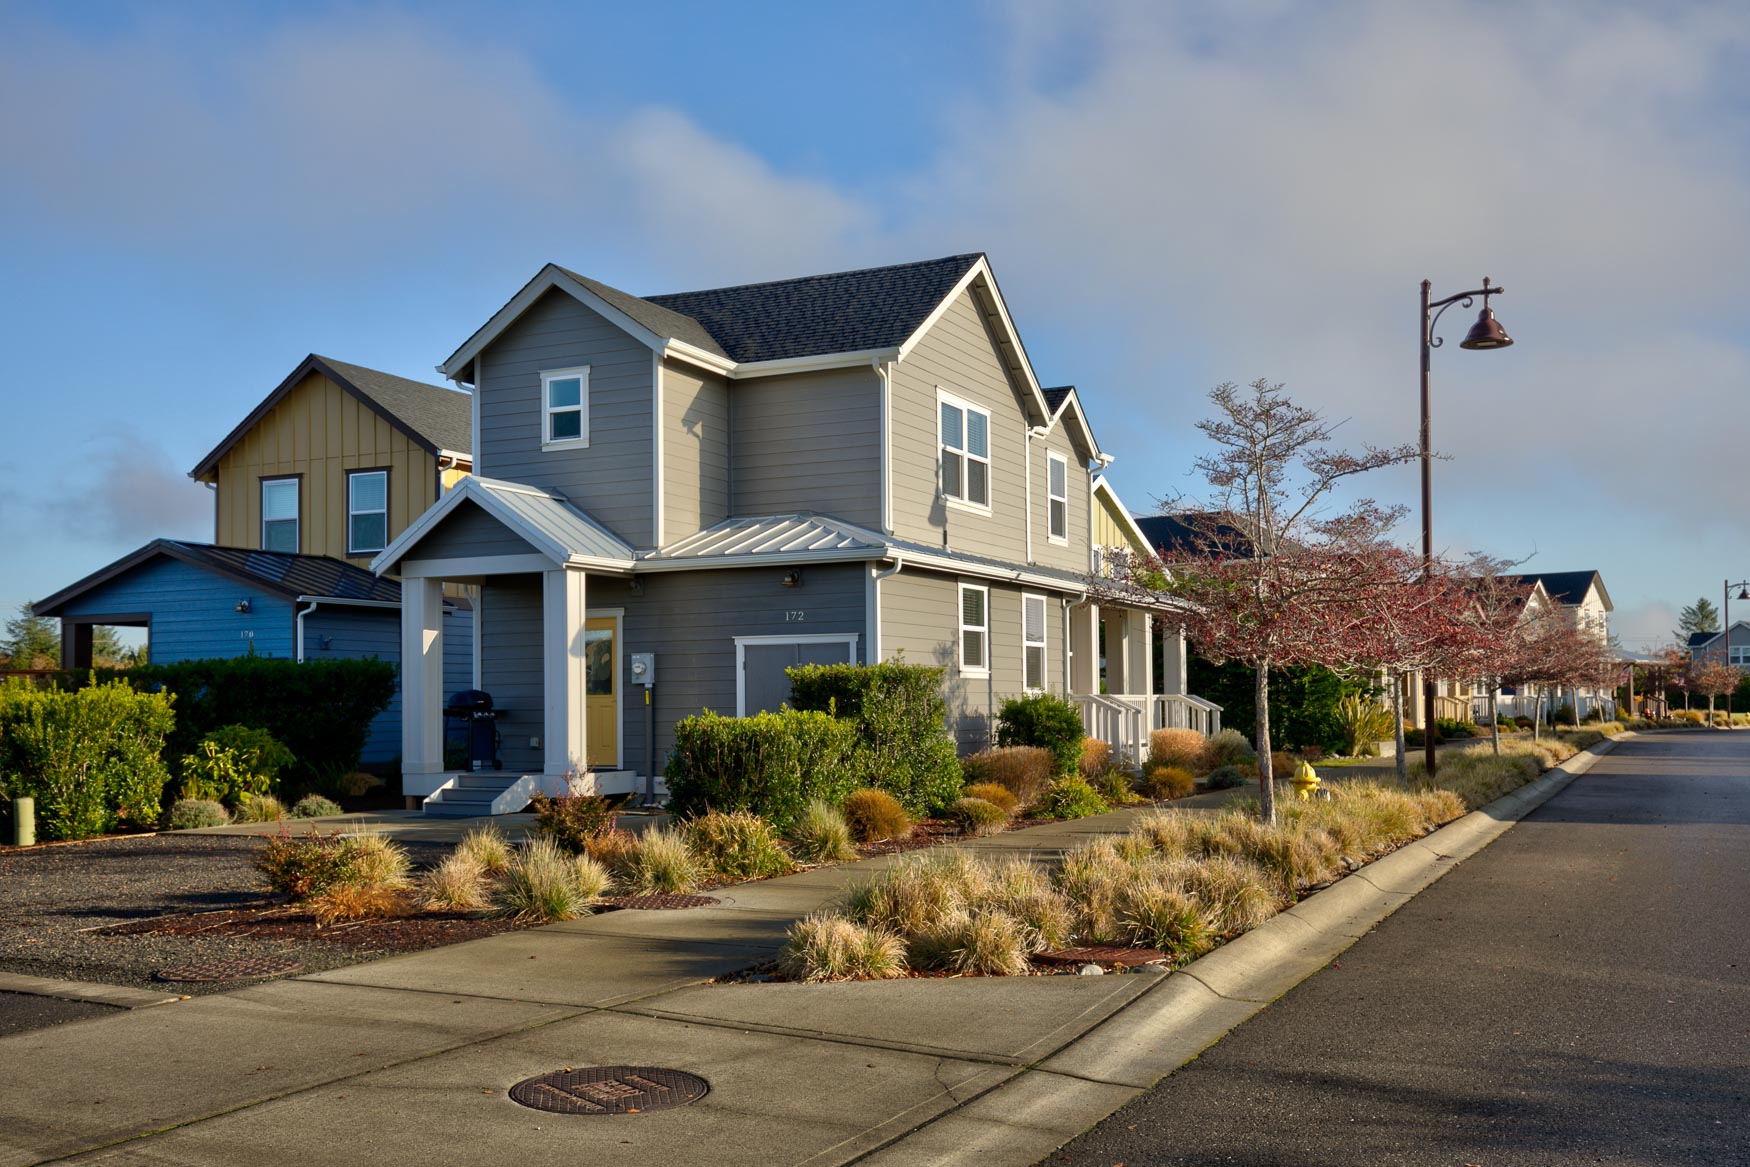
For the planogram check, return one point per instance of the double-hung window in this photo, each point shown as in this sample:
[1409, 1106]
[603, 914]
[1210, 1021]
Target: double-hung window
[1739, 654]
[974, 629]
[1057, 506]
[565, 408]
[279, 514]
[367, 511]
[1033, 643]
[965, 452]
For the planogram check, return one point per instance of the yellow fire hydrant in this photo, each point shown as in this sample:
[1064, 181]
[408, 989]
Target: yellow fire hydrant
[1306, 780]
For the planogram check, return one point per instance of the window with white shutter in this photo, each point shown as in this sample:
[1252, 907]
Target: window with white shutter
[1057, 517]
[1033, 642]
[974, 629]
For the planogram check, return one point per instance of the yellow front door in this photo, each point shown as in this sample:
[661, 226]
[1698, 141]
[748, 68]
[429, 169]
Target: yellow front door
[602, 691]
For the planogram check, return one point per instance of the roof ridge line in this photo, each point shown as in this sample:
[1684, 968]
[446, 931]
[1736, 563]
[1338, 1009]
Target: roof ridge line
[654, 296]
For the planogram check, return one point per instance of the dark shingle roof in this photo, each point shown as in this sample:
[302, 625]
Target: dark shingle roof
[1054, 398]
[1191, 533]
[1566, 587]
[662, 321]
[878, 307]
[1697, 639]
[287, 576]
[443, 417]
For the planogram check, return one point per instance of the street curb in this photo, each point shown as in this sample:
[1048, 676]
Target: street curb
[1025, 1118]
[121, 996]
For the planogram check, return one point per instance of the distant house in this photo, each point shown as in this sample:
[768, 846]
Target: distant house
[1720, 648]
[330, 467]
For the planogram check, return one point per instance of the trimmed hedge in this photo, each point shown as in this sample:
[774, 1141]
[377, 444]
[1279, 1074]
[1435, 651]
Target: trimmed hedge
[901, 722]
[771, 764]
[1047, 721]
[90, 758]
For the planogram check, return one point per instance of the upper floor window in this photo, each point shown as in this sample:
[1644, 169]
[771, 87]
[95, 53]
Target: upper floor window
[965, 452]
[974, 629]
[565, 407]
[367, 511]
[279, 514]
[1739, 654]
[1057, 472]
[1033, 642]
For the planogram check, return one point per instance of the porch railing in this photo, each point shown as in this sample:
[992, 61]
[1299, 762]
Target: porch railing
[1117, 723]
[1183, 711]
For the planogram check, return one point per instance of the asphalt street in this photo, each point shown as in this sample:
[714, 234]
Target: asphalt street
[1577, 993]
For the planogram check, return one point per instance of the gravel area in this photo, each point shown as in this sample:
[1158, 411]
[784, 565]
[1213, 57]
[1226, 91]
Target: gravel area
[115, 911]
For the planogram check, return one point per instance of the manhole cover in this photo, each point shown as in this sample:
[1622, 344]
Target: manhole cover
[610, 1090]
[242, 968]
[1101, 954]
[659, 902]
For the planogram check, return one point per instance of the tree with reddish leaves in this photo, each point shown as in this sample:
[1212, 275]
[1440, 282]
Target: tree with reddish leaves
[1715, 679]
[1272, 577]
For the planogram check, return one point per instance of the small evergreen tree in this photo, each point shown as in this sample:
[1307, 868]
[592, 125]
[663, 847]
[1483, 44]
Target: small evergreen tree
[1700, 616]
[32, 641]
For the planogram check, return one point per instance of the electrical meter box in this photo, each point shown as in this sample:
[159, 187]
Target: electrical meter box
[644, 668]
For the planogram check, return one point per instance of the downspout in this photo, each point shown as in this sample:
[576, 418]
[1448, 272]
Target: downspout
[884, 406]
[298, 631]
[875, 578]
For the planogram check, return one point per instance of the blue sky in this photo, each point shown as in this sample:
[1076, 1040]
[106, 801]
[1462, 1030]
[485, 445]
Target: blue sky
[195, 196]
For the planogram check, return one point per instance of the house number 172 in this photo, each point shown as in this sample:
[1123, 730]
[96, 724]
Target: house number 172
[794, 616]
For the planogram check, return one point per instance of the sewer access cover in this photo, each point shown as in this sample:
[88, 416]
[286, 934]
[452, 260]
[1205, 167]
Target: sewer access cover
[241, 968]
[660, 902]
[1101, 954]
[610, 1090]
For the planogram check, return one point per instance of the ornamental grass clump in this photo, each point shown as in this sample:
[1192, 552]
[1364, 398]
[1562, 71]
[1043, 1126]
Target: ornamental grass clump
[543, 885]
[821, 835]
[661, 864]
[1024, 891]
[377, 860]
[737, 845]
[1096, 758]
[1168, 782]
[875, 815]
[915, 893]
[979, 940]
[259, 808]
[1069, 798]
[458, 884]
[1023, 770]
[346, 902]
[1155, 912]
[314, 806]
[189, 814]
[976, 817]
[995, 793]
[1183, 748]
[488, 848]
[831, 948]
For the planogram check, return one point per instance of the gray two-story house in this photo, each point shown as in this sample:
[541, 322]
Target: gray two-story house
[677, 497]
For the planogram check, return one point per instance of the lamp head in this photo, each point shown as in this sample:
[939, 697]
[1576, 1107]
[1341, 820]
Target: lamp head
[1744, 593]
[1487, 332]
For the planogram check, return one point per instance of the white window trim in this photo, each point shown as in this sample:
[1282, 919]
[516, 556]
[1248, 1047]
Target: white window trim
[849, 639]
[979, 670]
[1052, 458]
[943, 397]
[350, 512]
[548, 376]
[1042, 644]
[298, 507]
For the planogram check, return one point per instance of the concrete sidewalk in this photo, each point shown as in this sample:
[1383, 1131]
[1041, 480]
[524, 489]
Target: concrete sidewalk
[409, 1060]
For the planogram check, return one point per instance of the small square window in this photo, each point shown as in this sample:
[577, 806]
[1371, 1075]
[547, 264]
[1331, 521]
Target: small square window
[565, 407]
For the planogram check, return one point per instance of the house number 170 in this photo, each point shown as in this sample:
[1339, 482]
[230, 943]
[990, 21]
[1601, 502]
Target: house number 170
[794, 616]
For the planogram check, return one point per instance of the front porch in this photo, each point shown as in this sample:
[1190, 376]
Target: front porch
[1129, 679]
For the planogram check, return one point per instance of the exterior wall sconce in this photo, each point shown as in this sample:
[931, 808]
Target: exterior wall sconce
[635, 586]
[244, 605]
[793, 578]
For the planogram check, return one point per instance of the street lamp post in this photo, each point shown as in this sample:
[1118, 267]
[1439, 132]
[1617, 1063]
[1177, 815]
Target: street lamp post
[1484, 334]
[1743, 587]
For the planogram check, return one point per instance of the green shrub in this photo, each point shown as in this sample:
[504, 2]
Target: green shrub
[995, 793]
[821, 835]
[975, 816]
[1044, 720]
[260, 808]
[737, 845]
[1449, 727]
[1227, 748]
[1069, 798]
[1176, 747]
[874, 815]
[1414, 737]
[901, 724]
[771, 764]
[314, 806]
[234, 762]
[1168, 782]
[1563, 715]
[1364, 722]
[1023, 770]
[319, 710]
[1523, 722]
[1116, 787]
[572, 819]
[89, 757]
[190, 814]
[1228, 777]
[302, 868]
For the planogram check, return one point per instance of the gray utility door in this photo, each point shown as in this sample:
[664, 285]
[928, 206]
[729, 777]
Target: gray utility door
[764, 686]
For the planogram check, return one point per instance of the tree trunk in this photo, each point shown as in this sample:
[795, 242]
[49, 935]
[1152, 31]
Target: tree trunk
[1266, 780]
[1397, 722]
[1537, 715]
[1495, 721]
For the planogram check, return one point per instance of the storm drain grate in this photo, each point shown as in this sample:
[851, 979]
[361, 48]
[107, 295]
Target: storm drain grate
[610, 1090]
[241, 968]
[659, 902]
[1101, 954]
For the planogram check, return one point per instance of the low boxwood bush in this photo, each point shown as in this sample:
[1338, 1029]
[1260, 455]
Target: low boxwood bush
[189, 814]
[771, 764]
[1451, 727]
[1116, 787]
[975, 816]
[900, 717]
[232, 763]
[737, 845]
[874, 815]
[1044, 720]
[1069, 798]
[1227, 748]
[89, 757]
[314, 806]
[1024, 770]
[1229, 777]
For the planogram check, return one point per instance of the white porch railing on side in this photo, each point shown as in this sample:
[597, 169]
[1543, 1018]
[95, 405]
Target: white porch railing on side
[1183, 711]
[1118, 723]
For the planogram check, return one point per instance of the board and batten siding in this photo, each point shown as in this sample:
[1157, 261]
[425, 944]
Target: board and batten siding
[695, 407]
[920, 624]
[959, 356]
[509, 625]
[611, 479]
[320, 431]
[808, 442]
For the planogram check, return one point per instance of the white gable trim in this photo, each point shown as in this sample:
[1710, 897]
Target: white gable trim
[476, 490]
[546, 280]
[1127, 520]
[979, 273]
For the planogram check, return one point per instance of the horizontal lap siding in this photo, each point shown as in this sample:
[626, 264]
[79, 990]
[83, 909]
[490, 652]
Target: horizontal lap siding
[510, 665]
[808, 442]
[611, 479]
[695, 439]
[1077, 555]
[468, 531]
[194, 612]
[338, 632]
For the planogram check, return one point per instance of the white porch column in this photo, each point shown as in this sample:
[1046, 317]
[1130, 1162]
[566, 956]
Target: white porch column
[562, 672]
[1117, 625]
[1142, 637]
[1084, 646]
[1175, 667]
[422, 682]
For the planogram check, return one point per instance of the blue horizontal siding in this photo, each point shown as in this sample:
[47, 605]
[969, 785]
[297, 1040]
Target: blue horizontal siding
[194, 612]
[338, 632]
